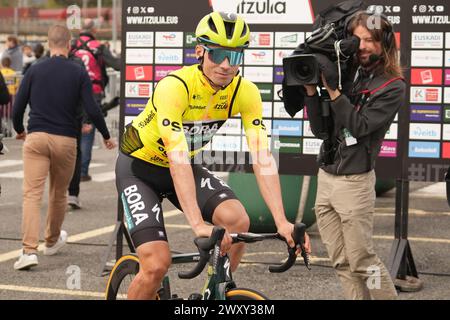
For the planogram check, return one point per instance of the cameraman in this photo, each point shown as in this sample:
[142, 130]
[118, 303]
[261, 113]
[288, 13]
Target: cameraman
[352, 136]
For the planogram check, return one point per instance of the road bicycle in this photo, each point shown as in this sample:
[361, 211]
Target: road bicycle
[219, 284]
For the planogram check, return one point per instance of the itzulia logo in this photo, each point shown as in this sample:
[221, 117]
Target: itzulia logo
[253, 7]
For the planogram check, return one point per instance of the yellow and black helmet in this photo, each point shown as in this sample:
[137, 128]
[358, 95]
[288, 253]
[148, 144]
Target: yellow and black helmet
[223, 29]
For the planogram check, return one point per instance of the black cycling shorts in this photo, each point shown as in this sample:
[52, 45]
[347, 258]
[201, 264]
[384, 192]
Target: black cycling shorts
[142, 186]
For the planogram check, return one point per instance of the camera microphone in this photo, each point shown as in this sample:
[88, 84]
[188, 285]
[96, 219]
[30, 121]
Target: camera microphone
[374, 58]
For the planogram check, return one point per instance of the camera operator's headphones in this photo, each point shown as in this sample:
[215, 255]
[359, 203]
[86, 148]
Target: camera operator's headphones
[388, 37]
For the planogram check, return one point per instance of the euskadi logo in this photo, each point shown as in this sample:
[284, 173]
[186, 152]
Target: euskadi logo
[268, 11]
[427, 40]
[139, 39]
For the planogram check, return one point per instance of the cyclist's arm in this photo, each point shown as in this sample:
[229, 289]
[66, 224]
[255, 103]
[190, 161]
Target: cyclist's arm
[171, 99]
[264, 165]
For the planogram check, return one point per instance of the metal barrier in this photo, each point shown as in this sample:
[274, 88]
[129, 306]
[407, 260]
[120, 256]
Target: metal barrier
[112, 90]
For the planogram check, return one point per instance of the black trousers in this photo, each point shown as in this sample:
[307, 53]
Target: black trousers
[74, 187]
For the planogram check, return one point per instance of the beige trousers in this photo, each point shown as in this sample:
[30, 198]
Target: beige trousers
[344, 208]
[45, 153]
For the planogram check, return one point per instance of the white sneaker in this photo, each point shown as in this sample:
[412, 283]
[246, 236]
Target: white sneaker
[58, 245]
[26, 261]
[73, 202]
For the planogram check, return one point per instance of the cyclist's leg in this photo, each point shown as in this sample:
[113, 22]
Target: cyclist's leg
[144, 219]
[220, 206]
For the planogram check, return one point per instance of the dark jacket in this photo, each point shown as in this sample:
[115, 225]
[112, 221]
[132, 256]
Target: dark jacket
[368, 123]
[55, 88]
[4, 93]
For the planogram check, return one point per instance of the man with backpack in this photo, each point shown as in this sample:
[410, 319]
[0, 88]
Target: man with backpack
[96, 58]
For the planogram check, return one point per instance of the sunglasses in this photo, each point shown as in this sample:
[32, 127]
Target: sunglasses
[217, 55]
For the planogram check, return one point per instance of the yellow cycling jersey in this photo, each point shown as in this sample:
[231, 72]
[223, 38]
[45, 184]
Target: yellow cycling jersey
[185, 112]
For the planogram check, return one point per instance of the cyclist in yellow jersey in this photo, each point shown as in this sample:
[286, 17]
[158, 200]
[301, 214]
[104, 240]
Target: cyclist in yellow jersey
[186, 109]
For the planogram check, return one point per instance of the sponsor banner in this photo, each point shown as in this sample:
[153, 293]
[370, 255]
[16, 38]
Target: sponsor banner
[397, 40]
[426, 58]
[423, 149]
[276, 89]
[307, 132]
[168, 39]
[267, 109]
[311, 146]
[162, 71]
[261, 40]
[446, 132]
[189, 40]
[424, 131]
[265, 89]
[447, 40]
[278, 75]
[280, 54]
[426, 76]
[447, 114]
[446, 95]
[231, 126]
[388, 149]
[138, 89]
[446, 150]
[139, 73]
[139, 56]
[226, 143]
[426, 94]
[392, 132]
[190, 57]
[287, 128]
[134, 106]
[426, 113]
[447, 58]
[287, 145]
[288, 39]
[280, 112]
[128, 119]
[268, 11]
[447, 77]
[139, 39]
[258, 57]
[168, 56]
[427, 40]
[245, 145]
[258, 74]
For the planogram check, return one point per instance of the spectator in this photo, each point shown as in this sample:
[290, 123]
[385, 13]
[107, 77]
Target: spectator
[10, 76]
[96, 58]
[27, 54]
[55, 88]
[14, 53]
[38, 51]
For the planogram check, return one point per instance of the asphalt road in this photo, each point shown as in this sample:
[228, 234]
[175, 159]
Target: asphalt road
[90, 229]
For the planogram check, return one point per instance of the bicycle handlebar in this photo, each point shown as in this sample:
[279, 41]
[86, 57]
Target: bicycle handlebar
[205, 245]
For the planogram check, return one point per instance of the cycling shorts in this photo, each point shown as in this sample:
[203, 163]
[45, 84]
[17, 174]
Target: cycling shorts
[142, 186]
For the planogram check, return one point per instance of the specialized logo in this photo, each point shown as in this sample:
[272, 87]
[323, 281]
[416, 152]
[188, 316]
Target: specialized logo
[157, 210]
[206, 182]
[135, 206]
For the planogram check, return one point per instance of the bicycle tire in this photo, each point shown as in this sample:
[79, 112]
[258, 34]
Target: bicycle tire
[244, 294]
[127, 265]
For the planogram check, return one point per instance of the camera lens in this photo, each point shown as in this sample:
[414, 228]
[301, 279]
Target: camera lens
[304, 70]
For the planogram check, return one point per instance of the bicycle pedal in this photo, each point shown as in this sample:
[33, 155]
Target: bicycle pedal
[195, 296]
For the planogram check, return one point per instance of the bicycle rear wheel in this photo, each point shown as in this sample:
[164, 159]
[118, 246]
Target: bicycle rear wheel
[244, 294]
[121, 277]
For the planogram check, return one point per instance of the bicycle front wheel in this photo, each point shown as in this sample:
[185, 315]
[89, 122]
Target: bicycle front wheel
[121, 277]
[244, 294]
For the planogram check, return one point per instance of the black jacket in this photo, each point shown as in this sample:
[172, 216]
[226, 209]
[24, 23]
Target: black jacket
[368, 125]
[4, 94]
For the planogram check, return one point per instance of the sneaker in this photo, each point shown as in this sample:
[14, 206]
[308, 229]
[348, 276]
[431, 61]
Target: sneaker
[85, 178]
[58, 245]
[73, 202]
[26, 261]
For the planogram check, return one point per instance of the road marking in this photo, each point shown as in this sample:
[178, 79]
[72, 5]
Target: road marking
[52, 291]
[10, 163]
[83, 236]
[436, 190]
[13, 174]
[418, 239]
[414, 212]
